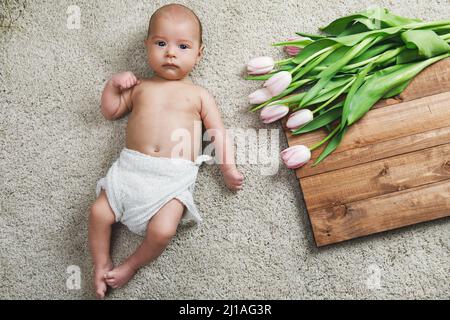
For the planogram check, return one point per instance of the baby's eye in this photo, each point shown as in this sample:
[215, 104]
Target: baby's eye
[184, 46]
[161, 43]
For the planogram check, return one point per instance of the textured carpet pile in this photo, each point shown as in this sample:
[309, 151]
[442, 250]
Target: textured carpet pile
[257, 244]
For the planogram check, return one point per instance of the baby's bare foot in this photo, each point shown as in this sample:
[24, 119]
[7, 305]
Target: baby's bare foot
[99, 279]
[120, 275]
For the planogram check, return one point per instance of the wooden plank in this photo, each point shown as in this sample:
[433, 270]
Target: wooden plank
[384, 149]
[408, 118]
[386, 212]
[376, 178]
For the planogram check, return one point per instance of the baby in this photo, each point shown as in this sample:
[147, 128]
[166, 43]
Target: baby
[149, 188]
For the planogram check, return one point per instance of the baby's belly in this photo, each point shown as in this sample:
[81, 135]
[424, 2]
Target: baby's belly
[167, 141]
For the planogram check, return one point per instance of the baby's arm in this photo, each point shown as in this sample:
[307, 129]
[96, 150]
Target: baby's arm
[223, 147]
[116, 97]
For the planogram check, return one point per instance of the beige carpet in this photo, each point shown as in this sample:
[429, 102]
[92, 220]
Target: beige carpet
[257, 244]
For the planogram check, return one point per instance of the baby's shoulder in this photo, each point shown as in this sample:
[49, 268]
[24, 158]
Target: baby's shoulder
[203, 93]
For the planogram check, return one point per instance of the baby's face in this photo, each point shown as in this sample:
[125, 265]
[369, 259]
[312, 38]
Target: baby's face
[173, 47]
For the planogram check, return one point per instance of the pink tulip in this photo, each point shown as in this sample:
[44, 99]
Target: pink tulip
[296, 156]
[299, 118]
[273, 113]
[278, 82]
[259, 96]
[294, 50]
[260, 65]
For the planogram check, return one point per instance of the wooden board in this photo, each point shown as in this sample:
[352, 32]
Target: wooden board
[392, 168]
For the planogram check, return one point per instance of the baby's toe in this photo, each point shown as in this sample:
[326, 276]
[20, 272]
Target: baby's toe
[100, 294]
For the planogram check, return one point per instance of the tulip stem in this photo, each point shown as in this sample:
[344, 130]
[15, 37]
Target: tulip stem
[335, 96]
[332, 133]
[283, 62]
[318, 53]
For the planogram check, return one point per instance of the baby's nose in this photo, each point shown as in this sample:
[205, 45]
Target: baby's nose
[170, 51]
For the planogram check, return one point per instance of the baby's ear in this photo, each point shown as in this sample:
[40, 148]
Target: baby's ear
[200, 53]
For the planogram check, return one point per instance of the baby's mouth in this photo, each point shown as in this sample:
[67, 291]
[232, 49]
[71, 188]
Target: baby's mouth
[170, 65]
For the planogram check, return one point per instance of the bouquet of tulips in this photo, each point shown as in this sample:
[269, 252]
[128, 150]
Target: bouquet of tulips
[362, 58]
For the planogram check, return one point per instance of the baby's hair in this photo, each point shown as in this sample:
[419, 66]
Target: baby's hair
[179, 5]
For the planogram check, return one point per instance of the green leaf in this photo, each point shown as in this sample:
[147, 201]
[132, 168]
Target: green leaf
[408, 55]
[286, 67]
[311, 65]
[372, 52]
[335, 56]
[311, 36]
[324, 95]
[332, 145]
[312, 49]
[427, 42]
[338, 26]
[396, 91]
[337, 82]
[260, 77]
[393, 20]
[327, 126]
[355, 28]
[352, 40]
[296, 43]
[373, 19]
[293, 99]
[326, 75]
[322, 120]
[383, 34]
[382, 83]
[355, 86]
[442, 30]
[387, 33]
[333, 87]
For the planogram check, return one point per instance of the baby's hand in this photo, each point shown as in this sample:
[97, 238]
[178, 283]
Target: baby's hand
[124, 80]
[233, 179]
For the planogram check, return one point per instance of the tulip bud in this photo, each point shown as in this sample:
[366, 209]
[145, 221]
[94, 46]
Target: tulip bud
[260, 65]
[259, 96]
[294, 50]
[273, 113]
[299, 118]
[296, 156]
[278, 82]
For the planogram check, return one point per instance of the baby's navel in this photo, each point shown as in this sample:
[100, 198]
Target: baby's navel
[156, 149]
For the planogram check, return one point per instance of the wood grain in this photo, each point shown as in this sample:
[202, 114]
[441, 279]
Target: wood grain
[386, 212]
[379, 150]
[377, 177]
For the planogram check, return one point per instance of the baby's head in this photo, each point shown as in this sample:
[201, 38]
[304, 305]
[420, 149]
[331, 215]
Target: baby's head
[174, 41]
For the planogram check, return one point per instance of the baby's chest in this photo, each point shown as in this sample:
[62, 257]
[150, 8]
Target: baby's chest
[168, 104]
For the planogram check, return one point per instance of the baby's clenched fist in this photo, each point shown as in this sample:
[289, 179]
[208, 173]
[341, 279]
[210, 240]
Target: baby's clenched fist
[124, 80]
[233, 179]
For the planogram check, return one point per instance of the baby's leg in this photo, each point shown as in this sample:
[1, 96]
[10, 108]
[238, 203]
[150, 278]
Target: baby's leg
[100, 221]
[161, 228]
